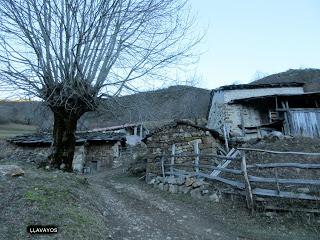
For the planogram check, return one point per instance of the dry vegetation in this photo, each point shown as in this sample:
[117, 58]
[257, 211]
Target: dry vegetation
[111, 205]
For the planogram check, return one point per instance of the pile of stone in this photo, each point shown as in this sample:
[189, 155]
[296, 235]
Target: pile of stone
[196, 187]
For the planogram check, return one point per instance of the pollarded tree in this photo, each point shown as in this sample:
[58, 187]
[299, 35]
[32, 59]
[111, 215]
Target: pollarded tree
[71, 53]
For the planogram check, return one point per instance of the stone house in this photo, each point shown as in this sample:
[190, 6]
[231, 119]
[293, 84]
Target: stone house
[250, 111]
[134, 132]
[183, 135]
[94, 151]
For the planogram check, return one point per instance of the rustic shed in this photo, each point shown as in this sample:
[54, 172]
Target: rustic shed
[94, 151]
[182, 136]
[250, 111]
[134, 132]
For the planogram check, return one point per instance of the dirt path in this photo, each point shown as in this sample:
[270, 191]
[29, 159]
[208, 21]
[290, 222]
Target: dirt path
[134, 211]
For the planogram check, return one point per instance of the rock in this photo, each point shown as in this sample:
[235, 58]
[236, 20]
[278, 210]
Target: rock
[152, 181]
[173, 188]
[204, 192]
[198, 183]
[78, 160]
[303, 190]
[160, 186]
[166, 187]
[11, 170]
[185, 189]
[171, 180]
[190, 181]
[159, 179]
[214, 197]
[62, 166]
[181, 180]
[271, 214]
[196, 193]
[150, 177]
[275, 135]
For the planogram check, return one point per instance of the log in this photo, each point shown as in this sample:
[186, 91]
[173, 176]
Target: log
[282, 194]
[228, 170]
[173, 151]
[278, 152]
[249, 195]
[162, 168]
[224, 164]
[283, 209]
[233, 183]
[284, 165]
[284, 181]
[200, 155]
[197, 153]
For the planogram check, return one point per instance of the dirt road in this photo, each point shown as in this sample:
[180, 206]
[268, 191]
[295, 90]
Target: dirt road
[134, 210]
[135, 213]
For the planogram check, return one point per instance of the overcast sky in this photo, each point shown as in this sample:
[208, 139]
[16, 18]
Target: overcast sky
[245, 36]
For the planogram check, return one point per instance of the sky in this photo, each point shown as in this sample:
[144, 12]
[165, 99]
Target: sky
[248, 38]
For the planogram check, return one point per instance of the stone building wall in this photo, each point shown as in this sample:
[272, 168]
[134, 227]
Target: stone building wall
[222, 113]
[184, 137]
[99, 156]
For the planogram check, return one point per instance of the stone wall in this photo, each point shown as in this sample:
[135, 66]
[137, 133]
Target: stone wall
[101, 156]
[184, 137]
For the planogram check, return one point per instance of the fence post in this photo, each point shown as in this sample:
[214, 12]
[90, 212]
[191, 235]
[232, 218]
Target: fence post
[249, 196]
[225, 135]
[162, 168]
[197, 157]
[173, 151]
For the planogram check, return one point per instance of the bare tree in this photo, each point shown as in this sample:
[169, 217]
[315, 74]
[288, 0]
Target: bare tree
[71, 53]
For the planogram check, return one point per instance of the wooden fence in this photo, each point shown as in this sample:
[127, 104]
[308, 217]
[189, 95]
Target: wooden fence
[240, 177]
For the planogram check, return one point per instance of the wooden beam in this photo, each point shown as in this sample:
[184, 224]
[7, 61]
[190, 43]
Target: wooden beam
[286, 165]
[202, 155]
[197, 153]
[284, 181]
[173, 151]
[225, 163]
[278, 152]
[227, 170]
[233, 183]
[282, 194]
[249, 196]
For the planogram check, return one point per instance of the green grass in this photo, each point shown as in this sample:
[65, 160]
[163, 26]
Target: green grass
[14, 129]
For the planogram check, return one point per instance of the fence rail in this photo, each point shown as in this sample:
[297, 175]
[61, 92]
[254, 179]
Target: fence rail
[240, 178]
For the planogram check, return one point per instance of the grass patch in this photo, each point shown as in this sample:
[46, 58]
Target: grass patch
[51, 198]
[14, 129]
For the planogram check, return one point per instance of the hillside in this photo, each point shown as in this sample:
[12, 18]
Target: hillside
[309, 76]
[169, 103]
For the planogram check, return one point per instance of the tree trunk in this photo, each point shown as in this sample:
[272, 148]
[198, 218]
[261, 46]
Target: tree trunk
[63, 145]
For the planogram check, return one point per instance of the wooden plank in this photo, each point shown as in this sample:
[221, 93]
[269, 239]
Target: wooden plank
[249, 196]
[275, 208]
[285, 165]
[202, 155]
[225, 137]
[173, 151]
[279, 152]
[284, 181]
[233, 183]
[224, 164]
[228, 170]
[162, 168]
[282, 194]
[197, 153]
[243, 130]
